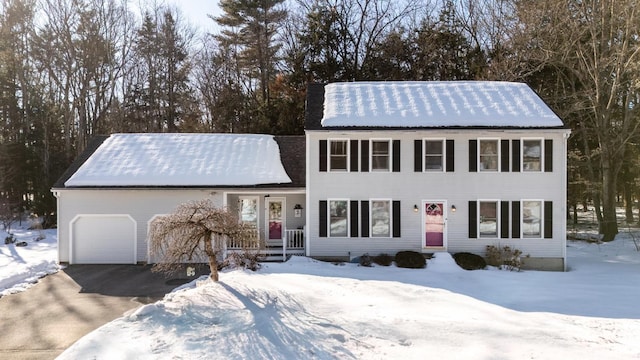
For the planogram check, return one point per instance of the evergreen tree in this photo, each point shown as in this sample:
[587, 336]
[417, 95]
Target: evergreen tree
[250, 32]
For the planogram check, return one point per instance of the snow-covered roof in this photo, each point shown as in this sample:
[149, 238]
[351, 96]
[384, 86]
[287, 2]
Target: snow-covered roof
[183, 160]
[435, 104]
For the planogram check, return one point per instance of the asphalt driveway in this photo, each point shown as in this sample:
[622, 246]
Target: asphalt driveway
[43, 321]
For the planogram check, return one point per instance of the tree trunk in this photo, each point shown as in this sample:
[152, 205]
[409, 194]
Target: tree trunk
[628, 202]
[609, 224]
[212, 255]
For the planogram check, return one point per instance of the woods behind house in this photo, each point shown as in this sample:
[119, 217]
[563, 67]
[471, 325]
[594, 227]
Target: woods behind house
[70, 69]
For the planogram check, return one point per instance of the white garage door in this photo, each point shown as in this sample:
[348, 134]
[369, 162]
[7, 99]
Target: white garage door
[103, 239]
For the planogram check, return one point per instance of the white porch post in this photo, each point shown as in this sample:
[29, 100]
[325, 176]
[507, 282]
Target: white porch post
[284, 245]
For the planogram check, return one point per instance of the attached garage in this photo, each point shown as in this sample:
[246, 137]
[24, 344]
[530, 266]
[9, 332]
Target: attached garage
[111, 194]
[103, 239]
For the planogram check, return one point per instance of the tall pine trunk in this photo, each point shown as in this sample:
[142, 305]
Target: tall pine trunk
[609, 223]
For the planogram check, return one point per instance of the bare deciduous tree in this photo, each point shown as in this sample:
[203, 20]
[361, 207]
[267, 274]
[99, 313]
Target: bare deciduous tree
[594, 46]
[196, 231]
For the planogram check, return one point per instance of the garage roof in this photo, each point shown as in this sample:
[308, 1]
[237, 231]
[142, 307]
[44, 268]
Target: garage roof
[180, 160]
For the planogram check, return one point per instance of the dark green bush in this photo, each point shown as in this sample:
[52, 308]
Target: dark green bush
[365, 260]
[410, 260]
[469, 261]
[383, 259]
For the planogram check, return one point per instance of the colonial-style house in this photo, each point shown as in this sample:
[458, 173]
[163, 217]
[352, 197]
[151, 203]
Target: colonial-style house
[434, 166]
[383, 167]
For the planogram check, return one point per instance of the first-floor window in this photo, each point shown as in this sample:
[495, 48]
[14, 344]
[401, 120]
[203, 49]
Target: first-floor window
[338, 217]
[488, 222]
[249, 211]
[380, 218]
[532, 218]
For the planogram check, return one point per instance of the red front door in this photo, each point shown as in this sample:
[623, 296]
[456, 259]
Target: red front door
[434, 224]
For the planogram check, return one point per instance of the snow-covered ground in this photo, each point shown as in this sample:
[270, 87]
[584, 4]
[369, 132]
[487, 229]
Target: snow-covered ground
[22, 266]
[305, 309]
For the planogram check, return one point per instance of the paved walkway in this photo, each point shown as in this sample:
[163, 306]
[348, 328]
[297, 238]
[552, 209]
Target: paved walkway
[43, 321]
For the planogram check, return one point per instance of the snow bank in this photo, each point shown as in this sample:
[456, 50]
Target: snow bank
[21, 267]
[307, 309]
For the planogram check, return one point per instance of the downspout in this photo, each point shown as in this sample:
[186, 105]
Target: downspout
[307, 238]
[565, 142]
[56, 194]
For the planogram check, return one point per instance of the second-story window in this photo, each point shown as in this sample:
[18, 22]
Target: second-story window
[489, 155]
[531, 155]
[380, 154]
[338, 155]
[433, 155]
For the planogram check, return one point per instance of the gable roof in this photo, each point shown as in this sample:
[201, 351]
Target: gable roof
[183, 160]
[427, 104]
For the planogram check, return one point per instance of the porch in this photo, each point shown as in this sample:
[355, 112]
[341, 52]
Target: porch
[277, 217]
[292, 243]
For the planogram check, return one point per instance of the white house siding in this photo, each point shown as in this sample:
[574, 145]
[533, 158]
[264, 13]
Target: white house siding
[143, 205]
[140, 204]
[456, 188]
[290, 200]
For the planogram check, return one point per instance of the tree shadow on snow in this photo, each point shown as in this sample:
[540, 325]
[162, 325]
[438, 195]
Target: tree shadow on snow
[284, 329]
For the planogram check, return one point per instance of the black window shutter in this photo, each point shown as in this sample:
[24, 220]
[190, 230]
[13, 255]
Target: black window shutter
[354, 218]
[473, 219]
[548, 219]
[504, 219]
[364, 219]
[364, 155]
[504, 155]
[396, 156]
[515, 219]
[396, 218]
[322, 212]
[515, 155]
[548, 155]
[323, 155]
[354, 155]
[473, 156]
[417, 155]
[450, 157]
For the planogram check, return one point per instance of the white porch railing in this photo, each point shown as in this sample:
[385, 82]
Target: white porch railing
[292, 244]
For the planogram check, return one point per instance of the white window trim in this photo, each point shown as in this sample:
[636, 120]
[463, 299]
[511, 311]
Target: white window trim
[348, 147]
[424, 154]
[348, 201]
[389, 163]
[522, 140]
[499, 167]
[522, 236]
[498, 218]
[250, 197]
[445, 214]
[390, 218]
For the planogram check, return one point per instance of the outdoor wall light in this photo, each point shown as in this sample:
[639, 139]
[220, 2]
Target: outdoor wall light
[297, 210]
[453, 208]
[415, 208]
